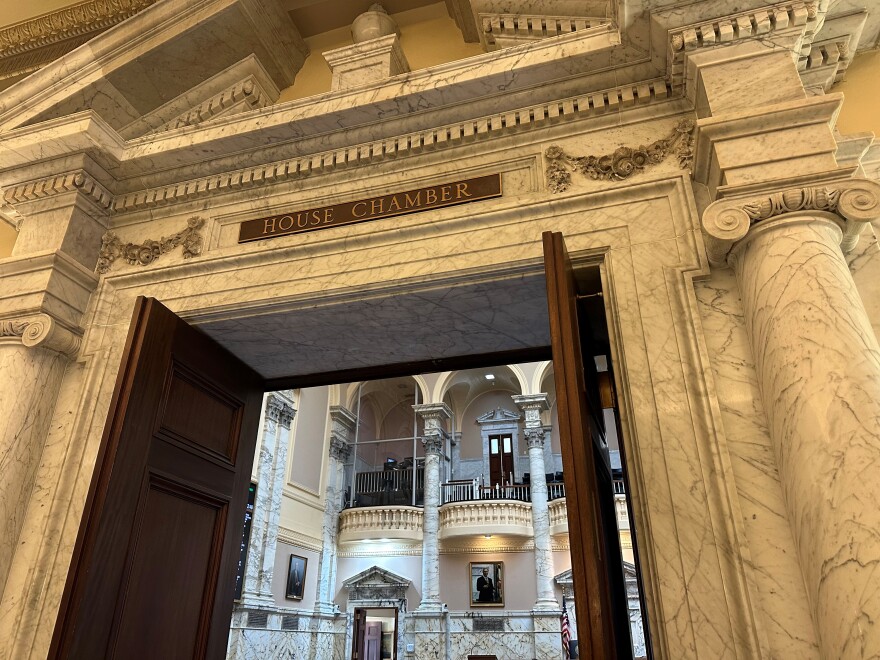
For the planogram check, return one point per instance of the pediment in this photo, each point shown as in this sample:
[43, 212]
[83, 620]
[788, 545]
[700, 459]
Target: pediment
[170, 58]
[499, 415]
[376, 577]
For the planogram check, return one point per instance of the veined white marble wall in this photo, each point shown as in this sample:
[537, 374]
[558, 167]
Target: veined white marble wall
[864, 264]
[771, 551]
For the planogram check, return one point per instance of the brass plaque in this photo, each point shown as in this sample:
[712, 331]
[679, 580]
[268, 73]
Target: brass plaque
[373, 208]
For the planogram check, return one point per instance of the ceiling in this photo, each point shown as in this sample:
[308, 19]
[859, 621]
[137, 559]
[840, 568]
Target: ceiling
[388, 328]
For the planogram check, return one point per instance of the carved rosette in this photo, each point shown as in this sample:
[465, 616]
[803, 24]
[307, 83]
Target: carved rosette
[855, 203]
[623, 162]
[113, 248]
[41, 330]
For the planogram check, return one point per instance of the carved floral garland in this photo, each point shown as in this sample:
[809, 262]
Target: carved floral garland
[112, 247]
[623, 163]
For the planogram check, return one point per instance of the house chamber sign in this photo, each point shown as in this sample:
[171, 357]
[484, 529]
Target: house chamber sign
[373, 208]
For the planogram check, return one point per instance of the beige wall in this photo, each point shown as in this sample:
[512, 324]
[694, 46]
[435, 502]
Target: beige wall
[306, 457]
[861, 90]
[520, 590]
[428, 36]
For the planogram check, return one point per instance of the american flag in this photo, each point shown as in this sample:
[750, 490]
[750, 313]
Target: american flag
[566, 632]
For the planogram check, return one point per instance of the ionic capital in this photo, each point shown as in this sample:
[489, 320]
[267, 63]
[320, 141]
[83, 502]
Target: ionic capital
[855, 202]
[41, 330]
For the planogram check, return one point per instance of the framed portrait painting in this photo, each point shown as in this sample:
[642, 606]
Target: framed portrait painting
[296, 577]
[487, 584]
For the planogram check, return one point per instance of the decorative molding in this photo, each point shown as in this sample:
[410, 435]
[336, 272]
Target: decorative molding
[727, 221]
[410, 144]
[795, 199]
[78, 180]
[298, 539]
[247, 94]
[759, 23]
[505, 30]
[41, 330]
[147, 252]
[624, 162]
[30, 44]
[499, 416]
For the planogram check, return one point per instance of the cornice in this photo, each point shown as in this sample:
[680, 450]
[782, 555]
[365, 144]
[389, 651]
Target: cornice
[402, 146]
[759, 23]
[28, 45]
[298, 539]
[74, 181]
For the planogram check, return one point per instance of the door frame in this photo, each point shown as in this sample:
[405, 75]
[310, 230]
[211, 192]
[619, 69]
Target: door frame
[681, 482]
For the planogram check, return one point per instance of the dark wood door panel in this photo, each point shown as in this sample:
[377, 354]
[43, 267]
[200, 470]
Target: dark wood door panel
[199, 414]
[184, 560]
[153, 570]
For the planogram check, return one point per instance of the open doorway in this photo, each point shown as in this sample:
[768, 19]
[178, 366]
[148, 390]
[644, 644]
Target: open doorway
[198, 386]
[374, 634]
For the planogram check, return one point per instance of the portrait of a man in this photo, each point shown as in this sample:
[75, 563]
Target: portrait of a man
[486, 584]
[296, 577]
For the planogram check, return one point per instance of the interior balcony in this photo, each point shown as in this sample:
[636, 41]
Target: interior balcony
[397, 522]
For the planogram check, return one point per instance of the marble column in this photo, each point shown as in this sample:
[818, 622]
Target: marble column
[434, 414]
[270, 474]
[818, 365]
[342, 425]
[34, 353]
[532, 406]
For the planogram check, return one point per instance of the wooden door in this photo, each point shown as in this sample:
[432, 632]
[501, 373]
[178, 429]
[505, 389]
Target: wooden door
[373, 641]
[500, 460]
[358, 635]
[596, 569]
[153, 570]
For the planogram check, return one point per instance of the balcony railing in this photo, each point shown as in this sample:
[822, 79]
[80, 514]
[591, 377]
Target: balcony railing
[470, 491]
[389, 487]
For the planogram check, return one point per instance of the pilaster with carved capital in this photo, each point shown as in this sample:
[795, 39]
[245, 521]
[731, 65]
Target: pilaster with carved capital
[435, 415]
[342, 426]
[270, 474]
[532, 406]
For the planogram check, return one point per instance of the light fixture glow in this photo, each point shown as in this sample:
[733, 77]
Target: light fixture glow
[490, 376]
[488, 536]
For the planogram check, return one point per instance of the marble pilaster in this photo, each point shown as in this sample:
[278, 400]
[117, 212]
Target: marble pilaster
[343, 423]
[818, 365]
[532, 406]
[271, 464]
[434, 415]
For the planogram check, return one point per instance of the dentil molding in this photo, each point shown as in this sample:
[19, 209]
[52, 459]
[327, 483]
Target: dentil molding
[856, 202]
